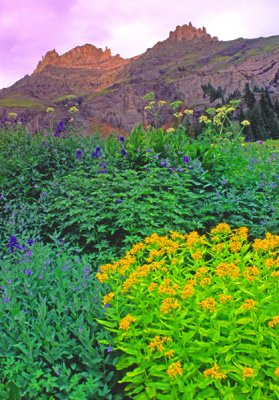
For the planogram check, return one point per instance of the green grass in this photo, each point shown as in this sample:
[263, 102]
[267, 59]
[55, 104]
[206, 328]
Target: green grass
[19, 102]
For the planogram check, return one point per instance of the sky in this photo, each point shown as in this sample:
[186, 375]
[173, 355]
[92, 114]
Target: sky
[29, 28]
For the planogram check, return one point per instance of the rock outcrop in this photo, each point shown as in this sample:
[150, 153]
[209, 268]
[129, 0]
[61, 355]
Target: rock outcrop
[188, 32]
[86, 56]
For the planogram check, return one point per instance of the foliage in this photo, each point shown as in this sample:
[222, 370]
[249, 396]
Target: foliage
[72, 200]
[50, 341]
[196, 316]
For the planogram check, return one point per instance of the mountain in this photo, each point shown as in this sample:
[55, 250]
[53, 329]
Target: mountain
[108, 89]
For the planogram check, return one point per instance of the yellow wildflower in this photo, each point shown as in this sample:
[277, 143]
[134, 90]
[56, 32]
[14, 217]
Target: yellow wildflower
[170, 130]
[274, 321]
[102, 277]
[167, 288]
[227, 269]
[269, 262]
[187, 291]
[192, 238]
[188, 112]
[137, 248]
[125, 322]
[178, 115]
[214, 373]
[208, 304]
[107, 298]
[245, 123]
[235, 246]
[251, 273]
[204, 119]
[205, 281]
[169, 304]
[221, 228]
[12, 115]
[275, 274]
[174, 370]
[276, 372]
[161, 103]
[197, 255]
[158, 343]
[249, 304]
[201, 272]
[50, 110]
[223, 298]
[152, 286]
[242, 232]
[248, 373]
[270, 242]
[73, 110]
[169, 353]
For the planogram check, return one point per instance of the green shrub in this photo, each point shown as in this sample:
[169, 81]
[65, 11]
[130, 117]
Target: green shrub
[195, 316]
[50, 342]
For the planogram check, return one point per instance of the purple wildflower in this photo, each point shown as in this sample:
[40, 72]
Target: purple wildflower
[79, 154]
[186, 159]
[121, 139]
[123, 152]
[109, 349]
[28, 272]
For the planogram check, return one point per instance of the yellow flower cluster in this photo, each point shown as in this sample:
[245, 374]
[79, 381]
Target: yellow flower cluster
[201, 272]
[227, 269]
[125, 322]
[167, 288]
[188, 289]
[250, 273]
[169, 304]
[197, 255]
[275, 274]
[140, 271]
[274, 321]
[270, 242]
[152, 286]
[276, 372]
[221, 228]
[107, 298]
[205, 281]
[235, 246]
[249, 304]
[158, 343]
[214, 373]
[174, 370]
[224, 298]
[208, 304]
[248, 373]
[105, 269]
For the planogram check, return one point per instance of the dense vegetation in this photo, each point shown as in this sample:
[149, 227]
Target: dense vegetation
[71, 205]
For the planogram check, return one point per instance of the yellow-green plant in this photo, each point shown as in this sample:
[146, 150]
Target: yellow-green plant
[154, 107]
[196, 317]
[219, 124]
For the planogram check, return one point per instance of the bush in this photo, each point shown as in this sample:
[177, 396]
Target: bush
[50, 342]
[196, 316]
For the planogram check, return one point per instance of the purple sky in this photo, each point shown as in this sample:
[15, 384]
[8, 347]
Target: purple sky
[29, 28]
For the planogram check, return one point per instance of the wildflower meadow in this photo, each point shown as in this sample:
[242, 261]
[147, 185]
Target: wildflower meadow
[141, 266]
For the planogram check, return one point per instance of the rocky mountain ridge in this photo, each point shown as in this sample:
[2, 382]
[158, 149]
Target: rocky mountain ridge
[109, 89]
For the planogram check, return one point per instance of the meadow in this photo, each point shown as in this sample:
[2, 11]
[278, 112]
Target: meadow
[142, 266]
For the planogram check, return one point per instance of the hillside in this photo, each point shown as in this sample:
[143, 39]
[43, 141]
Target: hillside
[109, 89]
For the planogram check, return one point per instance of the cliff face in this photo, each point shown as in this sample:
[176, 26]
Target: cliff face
[86, 56]
[109, 88]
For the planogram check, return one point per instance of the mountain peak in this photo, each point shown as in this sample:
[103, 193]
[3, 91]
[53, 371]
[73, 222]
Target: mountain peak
[190, 33]
[85, 56]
